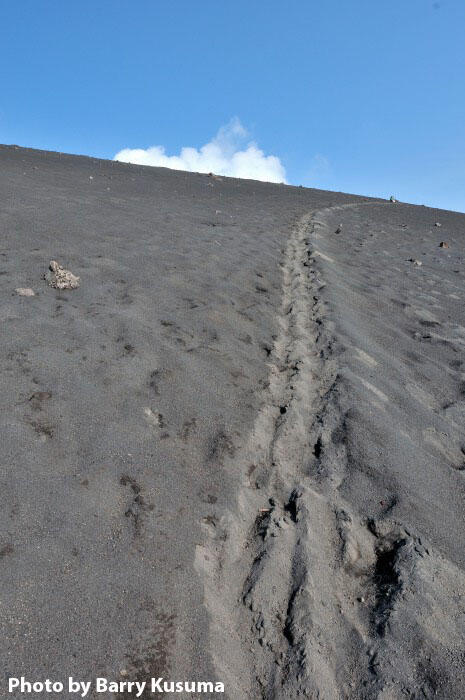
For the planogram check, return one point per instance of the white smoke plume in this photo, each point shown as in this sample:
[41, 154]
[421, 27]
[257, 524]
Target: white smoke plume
[229, 153]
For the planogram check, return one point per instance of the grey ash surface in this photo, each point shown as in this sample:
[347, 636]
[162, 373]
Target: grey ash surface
[236, 451]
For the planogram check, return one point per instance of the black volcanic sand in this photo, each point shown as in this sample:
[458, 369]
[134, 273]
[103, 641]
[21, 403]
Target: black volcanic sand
[236, 452]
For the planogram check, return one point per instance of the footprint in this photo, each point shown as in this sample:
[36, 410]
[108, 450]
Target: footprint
[188, 425]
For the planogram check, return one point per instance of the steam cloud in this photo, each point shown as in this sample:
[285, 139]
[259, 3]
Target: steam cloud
[229, 153]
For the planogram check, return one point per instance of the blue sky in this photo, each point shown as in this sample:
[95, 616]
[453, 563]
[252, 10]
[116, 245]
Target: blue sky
[359, 96]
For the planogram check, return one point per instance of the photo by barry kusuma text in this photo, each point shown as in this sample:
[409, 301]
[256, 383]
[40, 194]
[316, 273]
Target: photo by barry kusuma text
[82, 689]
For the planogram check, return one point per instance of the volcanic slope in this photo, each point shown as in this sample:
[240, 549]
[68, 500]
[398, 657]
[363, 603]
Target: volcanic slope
[235, 452]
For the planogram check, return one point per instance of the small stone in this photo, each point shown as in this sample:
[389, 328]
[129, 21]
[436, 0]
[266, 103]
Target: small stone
[59, 278]
[437, 224]
[25, 292]
[443, 244]
[392, 199]
[39, 396]
[361, 599]
[415, 262]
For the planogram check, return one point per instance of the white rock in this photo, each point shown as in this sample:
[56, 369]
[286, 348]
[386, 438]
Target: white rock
[59, 278]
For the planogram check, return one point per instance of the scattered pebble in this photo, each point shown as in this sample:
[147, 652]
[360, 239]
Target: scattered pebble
[25, 292]
[418, 263]
[437, 224]
[361, 599]
[40, 396]
[59, 278]
[339, 229]
[443, 244]
[392, 199]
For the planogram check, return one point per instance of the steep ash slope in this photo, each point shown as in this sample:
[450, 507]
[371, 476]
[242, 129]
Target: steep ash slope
[235, 452]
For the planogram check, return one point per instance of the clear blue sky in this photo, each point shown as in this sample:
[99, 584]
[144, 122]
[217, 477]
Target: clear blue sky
[360, 96]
